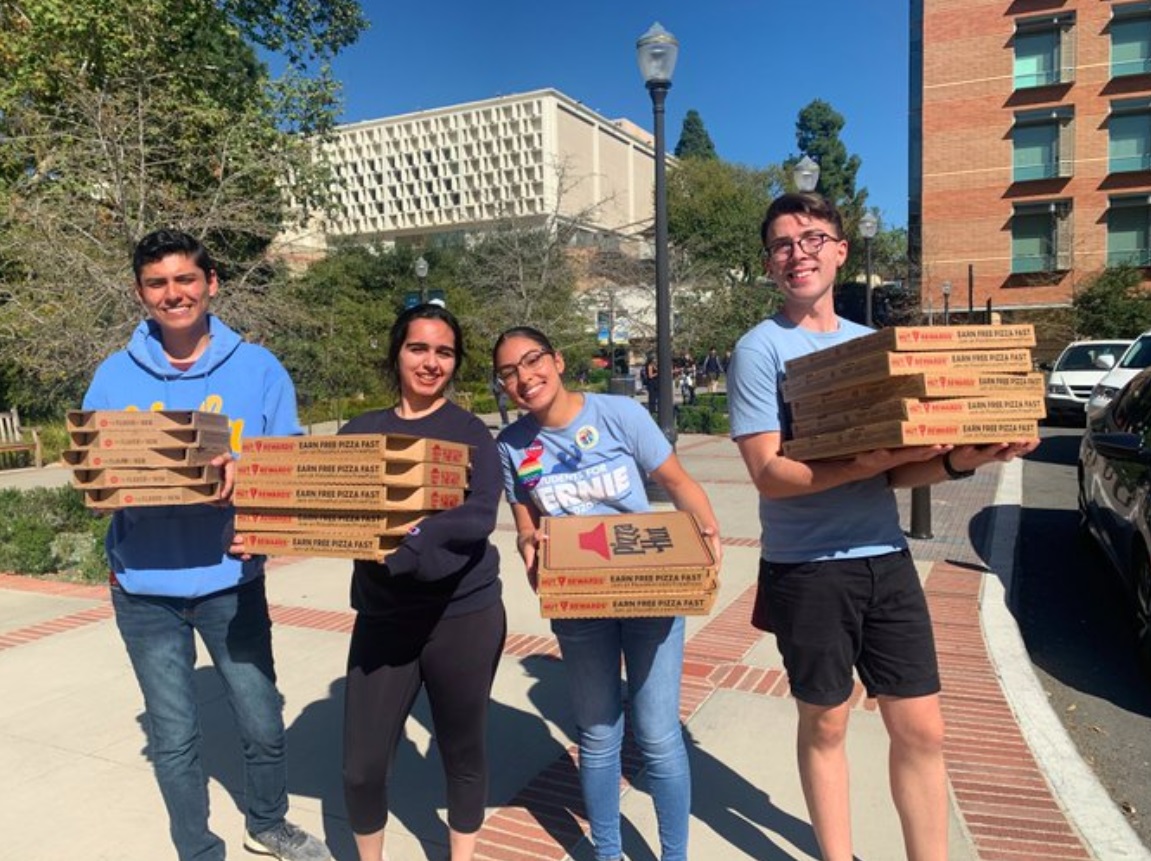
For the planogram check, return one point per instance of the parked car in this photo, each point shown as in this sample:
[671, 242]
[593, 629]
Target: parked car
[1115, 494]
[1074, 374]
[1134, 359]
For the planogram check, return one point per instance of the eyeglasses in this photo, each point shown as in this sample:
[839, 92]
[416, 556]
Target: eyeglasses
[809, 243]
[528, 361]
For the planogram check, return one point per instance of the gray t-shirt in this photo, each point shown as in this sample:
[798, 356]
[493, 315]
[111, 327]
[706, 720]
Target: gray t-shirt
[854, 520]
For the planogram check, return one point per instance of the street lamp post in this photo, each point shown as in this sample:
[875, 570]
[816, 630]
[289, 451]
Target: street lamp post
[945, 289]
[657, 50]
[805, 174]
[868, 227]
[422, 274]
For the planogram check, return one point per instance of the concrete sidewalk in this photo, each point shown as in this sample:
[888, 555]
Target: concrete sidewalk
[76, 780]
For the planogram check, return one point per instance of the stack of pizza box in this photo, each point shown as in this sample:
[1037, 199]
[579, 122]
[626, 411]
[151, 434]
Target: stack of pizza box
[128, 458]
[647, 564]
[352, 496]
[914, 385]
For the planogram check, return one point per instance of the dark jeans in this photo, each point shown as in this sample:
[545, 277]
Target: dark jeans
[159, 633]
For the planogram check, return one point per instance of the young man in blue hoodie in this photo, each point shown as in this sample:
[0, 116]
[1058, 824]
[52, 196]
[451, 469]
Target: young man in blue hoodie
[170, 574]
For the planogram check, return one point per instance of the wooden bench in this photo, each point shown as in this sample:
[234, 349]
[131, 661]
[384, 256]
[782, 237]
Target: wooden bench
[13, 439]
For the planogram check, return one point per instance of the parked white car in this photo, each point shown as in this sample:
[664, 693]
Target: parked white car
[1133, 360]
[1072, 377]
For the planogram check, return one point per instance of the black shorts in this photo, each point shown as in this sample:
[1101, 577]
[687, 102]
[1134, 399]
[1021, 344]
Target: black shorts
[828, 617]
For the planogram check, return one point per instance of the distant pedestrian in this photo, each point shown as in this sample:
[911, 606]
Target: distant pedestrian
[649, 374]
[712, 368]
[501, 397]
[837, 584]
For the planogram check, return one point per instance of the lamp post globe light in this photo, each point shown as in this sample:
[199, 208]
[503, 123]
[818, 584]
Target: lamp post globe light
[805, 174]
[421, 274]
[868, 227]
[657, 51]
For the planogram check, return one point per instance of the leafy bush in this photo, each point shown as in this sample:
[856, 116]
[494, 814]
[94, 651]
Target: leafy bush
[701, 418]
[49, 531]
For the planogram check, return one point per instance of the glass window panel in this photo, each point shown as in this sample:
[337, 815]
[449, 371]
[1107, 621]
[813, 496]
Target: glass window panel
[1127, 236]
[1035, 151]
[1031, 243]
[1036, 59]
[1130, 47]
[1129, 142]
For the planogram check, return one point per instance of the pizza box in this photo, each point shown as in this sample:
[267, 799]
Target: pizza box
[345, 497]
[357, 447]
[602, 552]
[138, 458]
[946, 385]
[350, 522]
[143, 438]
[627, 605]
[904, 409]
[162, 476]
[899, 434]
[373, 547]
[387, 472]
[881, 366]
[106, 498]
[918, 339]
[96, 420]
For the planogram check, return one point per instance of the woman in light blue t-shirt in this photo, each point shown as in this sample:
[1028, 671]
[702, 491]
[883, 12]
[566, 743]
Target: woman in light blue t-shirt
[572, 454]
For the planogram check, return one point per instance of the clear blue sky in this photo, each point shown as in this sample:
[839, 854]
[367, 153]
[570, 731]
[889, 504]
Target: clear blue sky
[747, 66]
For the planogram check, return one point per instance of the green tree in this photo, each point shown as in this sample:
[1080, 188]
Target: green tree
[714, 209]
[117, 117]
[1113, 304]
[694, 141]
[817, 131]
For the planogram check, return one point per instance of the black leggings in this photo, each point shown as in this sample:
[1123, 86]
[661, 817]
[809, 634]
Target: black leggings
[388, 661]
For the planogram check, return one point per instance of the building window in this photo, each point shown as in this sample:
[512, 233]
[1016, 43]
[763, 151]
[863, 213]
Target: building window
[1041, 237]
[1042, 144]
[1130, 39]
[1044, 51]
[1129, 136]
[1129, 231]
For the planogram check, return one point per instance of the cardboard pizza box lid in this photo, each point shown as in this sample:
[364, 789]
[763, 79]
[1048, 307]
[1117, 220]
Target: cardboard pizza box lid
[386, 472]
[339, 546]
[351, 522]
[145, 438]
[906, 409]
[898, 434]
[162, 476]
[105, 499]
[627, 605]
[357, 447]
[346, 497]
[649, 541]
[96, 420]
[139, 458]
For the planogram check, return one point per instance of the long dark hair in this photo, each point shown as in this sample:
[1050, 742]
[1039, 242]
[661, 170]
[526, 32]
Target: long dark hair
[529, 332]
[399, 334]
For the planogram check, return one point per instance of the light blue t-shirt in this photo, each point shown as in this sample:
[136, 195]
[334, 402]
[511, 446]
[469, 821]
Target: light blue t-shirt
[854, 520]
[594, 465]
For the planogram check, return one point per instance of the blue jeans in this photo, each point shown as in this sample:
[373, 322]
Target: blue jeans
[237, 631]
[652, 651]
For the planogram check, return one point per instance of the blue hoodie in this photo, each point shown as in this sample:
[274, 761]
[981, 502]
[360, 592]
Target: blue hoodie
[179, 550]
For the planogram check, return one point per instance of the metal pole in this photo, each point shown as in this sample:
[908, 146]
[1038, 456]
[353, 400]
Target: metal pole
[658, 90]
[423, 293]
[970, 292]
[947, 309]
[867, 314]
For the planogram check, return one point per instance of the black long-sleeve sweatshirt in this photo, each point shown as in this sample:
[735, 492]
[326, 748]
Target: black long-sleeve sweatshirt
[447, 566]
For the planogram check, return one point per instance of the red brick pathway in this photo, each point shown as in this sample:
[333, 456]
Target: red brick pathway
[1003, 798]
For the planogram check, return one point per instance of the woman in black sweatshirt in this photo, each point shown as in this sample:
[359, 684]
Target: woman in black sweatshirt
[431, 614]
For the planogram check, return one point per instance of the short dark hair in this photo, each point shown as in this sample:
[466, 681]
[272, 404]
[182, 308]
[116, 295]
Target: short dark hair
[163, 243]
[529, 332]
[399, 334]
[801, 203]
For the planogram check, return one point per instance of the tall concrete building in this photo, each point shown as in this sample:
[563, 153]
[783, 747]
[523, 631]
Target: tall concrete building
[1030, 147]
[440, 174]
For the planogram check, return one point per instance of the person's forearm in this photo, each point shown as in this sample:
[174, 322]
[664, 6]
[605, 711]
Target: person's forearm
[782, 477]
[918, 474]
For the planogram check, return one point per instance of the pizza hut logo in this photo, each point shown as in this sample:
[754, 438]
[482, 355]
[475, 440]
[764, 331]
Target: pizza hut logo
[595, 540]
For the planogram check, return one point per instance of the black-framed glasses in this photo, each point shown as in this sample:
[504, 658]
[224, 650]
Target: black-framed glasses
[528, 361]
[809, 243]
